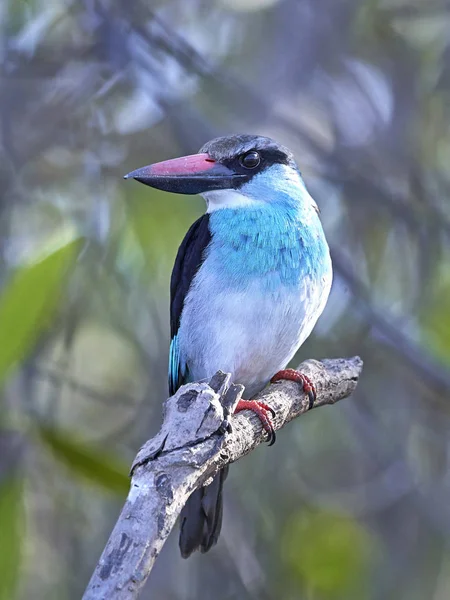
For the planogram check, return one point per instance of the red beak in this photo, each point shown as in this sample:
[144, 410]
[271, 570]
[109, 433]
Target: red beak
[192, 174]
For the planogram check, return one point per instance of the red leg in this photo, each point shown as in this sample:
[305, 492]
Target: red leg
[293, 375]
[261, 410]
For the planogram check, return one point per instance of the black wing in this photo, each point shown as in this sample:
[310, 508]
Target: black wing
[189, 259]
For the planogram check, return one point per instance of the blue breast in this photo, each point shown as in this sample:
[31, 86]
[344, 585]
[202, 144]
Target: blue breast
[271, 242]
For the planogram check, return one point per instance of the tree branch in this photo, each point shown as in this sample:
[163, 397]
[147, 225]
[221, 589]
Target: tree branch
[197, 438]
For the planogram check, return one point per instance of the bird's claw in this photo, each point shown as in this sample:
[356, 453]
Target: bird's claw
[261, 410]
[293, 375]
[270, 409]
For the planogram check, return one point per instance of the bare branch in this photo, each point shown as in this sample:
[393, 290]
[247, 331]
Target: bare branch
[194, 442]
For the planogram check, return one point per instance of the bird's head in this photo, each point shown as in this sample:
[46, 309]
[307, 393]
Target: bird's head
[229, 172]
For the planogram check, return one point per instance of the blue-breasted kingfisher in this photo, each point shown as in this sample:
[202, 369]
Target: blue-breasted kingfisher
[250, 280]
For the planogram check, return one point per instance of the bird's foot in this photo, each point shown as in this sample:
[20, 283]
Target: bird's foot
[293, 375]
[262, 410]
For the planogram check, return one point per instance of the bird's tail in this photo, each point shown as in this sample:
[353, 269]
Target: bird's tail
[201, 518]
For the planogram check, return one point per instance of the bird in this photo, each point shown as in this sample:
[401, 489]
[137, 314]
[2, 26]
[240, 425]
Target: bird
[250, 280]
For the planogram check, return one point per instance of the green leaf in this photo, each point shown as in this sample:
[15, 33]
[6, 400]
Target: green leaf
[159, 222]
[91, 463]
[28, 302]
[11, 535]
[435, 315]
[328, 552]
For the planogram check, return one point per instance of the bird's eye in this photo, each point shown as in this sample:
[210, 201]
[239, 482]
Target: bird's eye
[250, 160]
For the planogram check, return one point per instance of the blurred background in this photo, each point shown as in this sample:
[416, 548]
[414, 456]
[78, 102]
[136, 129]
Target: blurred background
[353, 502]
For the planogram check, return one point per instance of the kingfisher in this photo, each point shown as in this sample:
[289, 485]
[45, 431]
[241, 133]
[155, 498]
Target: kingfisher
[250, 280]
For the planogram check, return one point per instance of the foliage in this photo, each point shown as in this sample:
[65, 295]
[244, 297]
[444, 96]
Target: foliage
[352, 502]
[12, 535]
[28, 302]
[93, 464]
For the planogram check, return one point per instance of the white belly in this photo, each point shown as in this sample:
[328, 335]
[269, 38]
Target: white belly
[251, 334]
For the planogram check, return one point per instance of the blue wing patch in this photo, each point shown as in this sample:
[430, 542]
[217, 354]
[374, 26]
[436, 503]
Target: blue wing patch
[174, 366]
